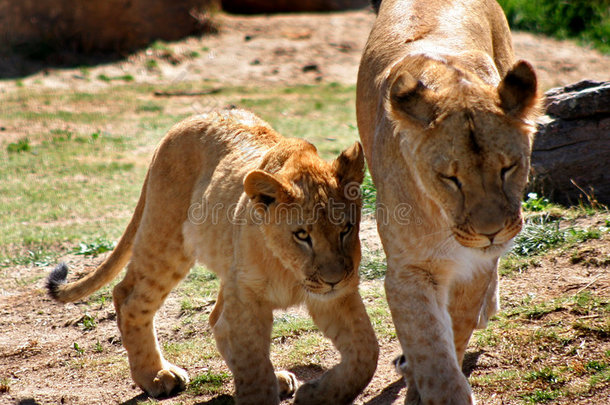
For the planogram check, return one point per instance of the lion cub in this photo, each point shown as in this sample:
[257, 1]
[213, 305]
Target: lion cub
[276, 223]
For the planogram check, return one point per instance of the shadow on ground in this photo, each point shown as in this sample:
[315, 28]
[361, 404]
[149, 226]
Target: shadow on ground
[34, 59]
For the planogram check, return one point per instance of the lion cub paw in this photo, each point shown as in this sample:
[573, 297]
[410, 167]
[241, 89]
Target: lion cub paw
[168, 381]
[288, 383]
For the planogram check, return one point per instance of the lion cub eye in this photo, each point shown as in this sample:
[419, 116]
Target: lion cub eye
[451, 181]
[302, 236]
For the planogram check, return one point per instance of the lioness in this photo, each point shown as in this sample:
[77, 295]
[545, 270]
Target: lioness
[276, 223]
[445, 118]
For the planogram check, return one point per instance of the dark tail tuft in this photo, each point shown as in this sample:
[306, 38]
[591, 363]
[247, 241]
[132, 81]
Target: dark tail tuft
[57, 277]
[376, 4]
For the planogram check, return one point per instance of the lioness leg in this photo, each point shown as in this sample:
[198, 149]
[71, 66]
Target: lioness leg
[243, 336]
[423, 327]
[137, 298]
[471, 305]
[345, 322]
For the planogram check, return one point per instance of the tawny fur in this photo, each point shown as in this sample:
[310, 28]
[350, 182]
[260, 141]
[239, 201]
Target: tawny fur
[444, 115]
[276, 223]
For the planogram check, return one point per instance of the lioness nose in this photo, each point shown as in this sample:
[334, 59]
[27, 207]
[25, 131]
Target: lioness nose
[487, 219]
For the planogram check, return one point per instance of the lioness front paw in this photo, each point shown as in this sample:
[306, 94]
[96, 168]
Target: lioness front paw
[288, 383]
[166, 382]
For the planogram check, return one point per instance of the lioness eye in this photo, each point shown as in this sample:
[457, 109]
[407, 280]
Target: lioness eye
[507, 171]
[302, 236]
[452, 181]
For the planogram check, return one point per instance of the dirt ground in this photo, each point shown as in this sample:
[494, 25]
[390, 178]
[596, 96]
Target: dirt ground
[37, 335]
[283, 49]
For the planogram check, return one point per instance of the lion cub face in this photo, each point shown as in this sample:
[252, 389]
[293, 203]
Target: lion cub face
[309, 214]
[470, 145]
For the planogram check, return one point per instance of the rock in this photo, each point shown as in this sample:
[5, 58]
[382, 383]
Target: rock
[579, 100]
[283, 6]
[40, 28]
[571, 152]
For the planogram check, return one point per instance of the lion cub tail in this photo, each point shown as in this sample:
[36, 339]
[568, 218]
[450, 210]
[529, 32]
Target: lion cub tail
[106, 272]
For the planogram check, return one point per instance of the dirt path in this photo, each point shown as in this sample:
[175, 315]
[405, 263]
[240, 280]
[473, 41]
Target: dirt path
[289, 49]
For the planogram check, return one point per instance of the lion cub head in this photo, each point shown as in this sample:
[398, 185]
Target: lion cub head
[467, 144]
[309, 213]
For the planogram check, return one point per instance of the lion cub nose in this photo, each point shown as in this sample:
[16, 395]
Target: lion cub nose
[333, 273]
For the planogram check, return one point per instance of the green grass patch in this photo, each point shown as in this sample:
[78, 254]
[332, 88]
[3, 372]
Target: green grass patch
[290, 325]
[208, 383]
[551, 345]
[38, 257]
[150, 107]
[88, 322]
[373, 294]
[193, 349]
[22, 145]
[546, 374]
[105, 78]
[307, 349]
[322, 114]
[373, 265]
[541, 396]
[585, 20]
[544, 230]
[538, 235]
[151, 64]
[99, 246]
[369, 194]
[199, 284]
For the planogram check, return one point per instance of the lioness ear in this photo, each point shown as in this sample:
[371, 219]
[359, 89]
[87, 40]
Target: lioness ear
[263, 187]
[518, 90]
[409, 98]
[349, 166]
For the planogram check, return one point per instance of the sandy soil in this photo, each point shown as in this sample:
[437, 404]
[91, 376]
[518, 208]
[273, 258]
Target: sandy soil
[286, 49]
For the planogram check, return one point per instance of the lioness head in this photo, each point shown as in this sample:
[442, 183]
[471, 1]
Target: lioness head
[468, 145]
[309, 213]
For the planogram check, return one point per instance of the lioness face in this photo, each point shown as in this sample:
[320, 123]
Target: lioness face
[468, 146]
[474, 164]
[310, 220]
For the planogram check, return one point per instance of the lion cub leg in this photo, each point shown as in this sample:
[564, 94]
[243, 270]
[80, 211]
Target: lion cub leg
[242, 330]
[150, 277]
[423, 326]
[287, 382]
[345, 322]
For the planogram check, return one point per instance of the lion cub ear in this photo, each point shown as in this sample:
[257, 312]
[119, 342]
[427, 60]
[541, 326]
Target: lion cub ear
[410, 99]
[349, 166]
[518, 90]
[263, 187]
